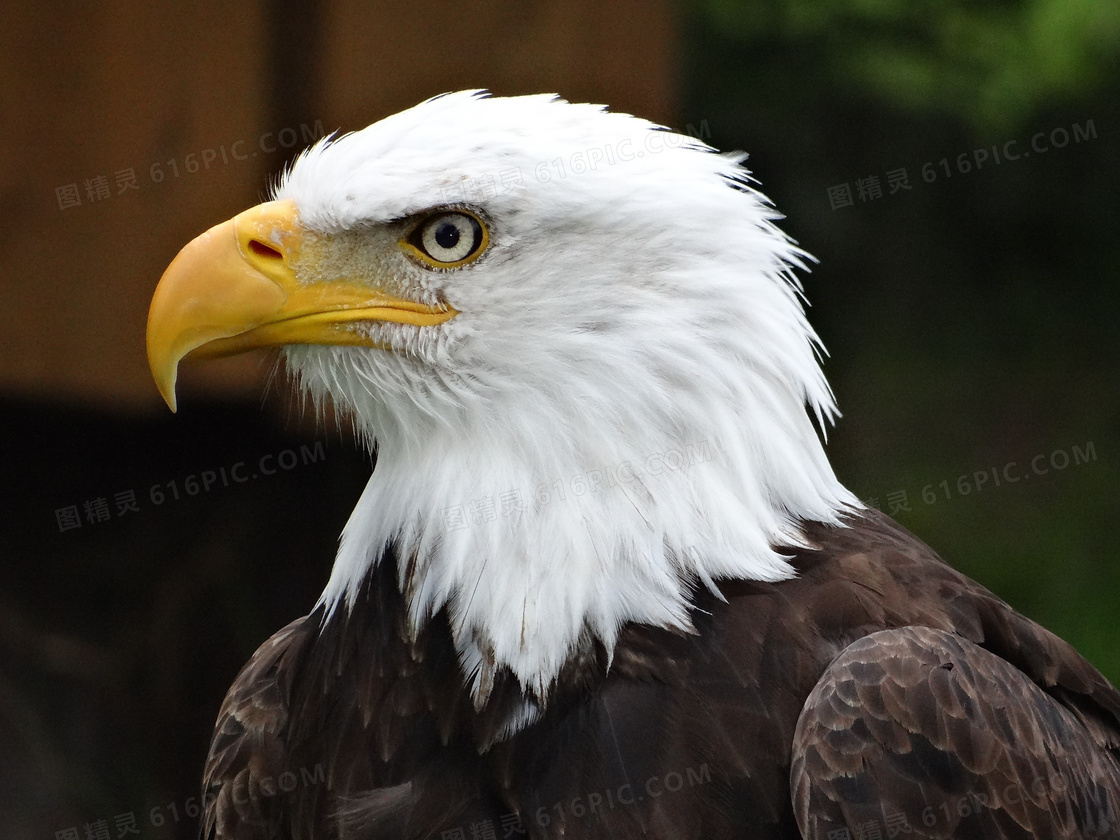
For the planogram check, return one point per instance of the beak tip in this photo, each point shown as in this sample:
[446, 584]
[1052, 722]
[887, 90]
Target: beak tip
[169, 398]
[165, 384]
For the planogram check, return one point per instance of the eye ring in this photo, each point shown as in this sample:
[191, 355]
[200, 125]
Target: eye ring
[447, 238]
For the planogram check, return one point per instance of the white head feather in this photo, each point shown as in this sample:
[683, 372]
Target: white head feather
[619, 410]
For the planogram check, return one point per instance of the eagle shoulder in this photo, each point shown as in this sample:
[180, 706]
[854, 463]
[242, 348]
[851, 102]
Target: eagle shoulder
[248, 751]
[944, 710]
[921, 731]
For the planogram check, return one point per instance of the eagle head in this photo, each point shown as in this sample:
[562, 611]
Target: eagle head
[575, 339]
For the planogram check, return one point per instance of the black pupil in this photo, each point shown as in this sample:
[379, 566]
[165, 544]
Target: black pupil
[447, 235]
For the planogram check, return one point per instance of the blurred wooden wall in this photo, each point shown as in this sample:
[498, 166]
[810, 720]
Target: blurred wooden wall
[131, 128]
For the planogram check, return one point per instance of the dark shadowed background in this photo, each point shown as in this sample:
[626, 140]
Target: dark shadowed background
[953, 166]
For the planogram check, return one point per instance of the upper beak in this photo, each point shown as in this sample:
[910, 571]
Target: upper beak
[234, 288]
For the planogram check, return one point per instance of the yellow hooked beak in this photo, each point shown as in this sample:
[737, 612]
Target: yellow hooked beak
[234, 288]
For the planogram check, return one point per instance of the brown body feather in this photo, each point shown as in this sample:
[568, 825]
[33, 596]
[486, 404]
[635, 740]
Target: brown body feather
[789, 714]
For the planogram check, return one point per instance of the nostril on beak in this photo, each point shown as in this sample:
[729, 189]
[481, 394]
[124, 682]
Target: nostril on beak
[266, 251]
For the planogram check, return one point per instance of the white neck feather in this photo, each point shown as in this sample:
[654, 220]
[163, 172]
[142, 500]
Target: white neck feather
[535, 543]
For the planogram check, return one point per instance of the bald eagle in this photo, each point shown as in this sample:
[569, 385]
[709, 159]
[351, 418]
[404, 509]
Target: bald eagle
[603, 582]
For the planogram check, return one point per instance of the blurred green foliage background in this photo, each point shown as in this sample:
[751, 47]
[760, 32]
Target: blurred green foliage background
[972, 319]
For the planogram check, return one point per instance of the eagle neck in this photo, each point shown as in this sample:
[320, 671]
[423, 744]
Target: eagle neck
[539, 557]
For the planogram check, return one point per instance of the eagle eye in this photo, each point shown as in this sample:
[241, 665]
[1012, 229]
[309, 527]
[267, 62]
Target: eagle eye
[447, 239]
